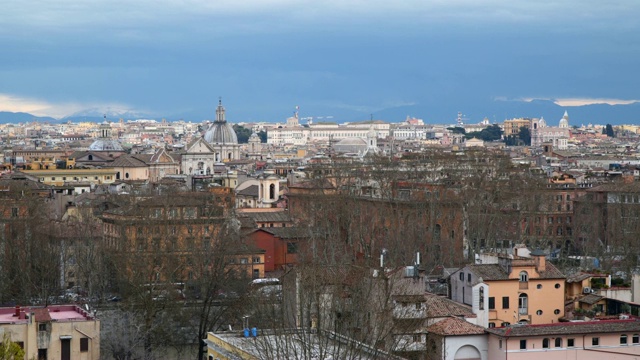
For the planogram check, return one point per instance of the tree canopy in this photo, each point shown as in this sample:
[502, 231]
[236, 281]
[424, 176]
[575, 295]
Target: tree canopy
[242, 133]
[490, 133]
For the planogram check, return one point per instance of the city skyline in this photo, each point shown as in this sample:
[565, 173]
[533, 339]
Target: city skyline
[264, 57]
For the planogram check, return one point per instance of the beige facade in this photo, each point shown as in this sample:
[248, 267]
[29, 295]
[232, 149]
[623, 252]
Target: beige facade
[59, 177]
[56, 332]
[605, 339]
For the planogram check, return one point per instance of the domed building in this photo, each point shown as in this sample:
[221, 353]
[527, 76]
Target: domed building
[104, 141]
[222, 138]
[564, 122]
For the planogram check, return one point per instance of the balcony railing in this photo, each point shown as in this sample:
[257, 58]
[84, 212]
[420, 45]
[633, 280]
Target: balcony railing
[523, 311]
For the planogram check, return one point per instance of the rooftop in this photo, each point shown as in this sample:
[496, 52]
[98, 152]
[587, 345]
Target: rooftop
[57, 313]
[566, 328]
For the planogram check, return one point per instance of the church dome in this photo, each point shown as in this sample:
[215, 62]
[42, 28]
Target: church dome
[106, 145]
[564, 122]
[104, 141]
[221, 132]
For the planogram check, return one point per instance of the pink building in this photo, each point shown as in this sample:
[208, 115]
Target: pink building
[56, 332]
[605, 339]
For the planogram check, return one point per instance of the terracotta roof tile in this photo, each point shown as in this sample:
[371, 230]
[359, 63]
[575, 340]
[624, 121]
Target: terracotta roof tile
[455, 326]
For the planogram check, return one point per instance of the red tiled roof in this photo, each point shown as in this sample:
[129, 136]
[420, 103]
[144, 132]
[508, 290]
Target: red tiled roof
[455, 326]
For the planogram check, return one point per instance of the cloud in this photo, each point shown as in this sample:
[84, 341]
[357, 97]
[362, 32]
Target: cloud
[589, 101]
[303, 15]
[13, 103]
[582, 101]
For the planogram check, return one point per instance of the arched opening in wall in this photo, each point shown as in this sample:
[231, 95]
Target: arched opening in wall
[437, 231]
[467, 352]
[272, 191]
[229, 156]
[118, 175]
[90, 157]
[523, 304]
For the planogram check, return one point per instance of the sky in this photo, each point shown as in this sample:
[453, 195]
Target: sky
[344, 58]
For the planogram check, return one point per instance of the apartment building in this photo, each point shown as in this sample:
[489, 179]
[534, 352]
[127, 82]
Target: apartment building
[56, 332]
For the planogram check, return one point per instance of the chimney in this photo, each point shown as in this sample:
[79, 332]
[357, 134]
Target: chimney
[539, 257]
[17, 313]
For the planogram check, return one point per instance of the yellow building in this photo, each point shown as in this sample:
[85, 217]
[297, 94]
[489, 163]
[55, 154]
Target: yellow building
[59, 177]
[56, 332]
[508, 289]
[512, 127]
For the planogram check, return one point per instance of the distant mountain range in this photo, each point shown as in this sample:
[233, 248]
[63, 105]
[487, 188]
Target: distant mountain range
[434, 113]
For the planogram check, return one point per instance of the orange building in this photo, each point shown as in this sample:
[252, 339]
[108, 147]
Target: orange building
[507, 289]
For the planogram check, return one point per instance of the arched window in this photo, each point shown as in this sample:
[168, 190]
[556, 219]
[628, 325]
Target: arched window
[558, 342]
[118, 175]
[545, 343]
[524, 277]
[523, 304]
[229, 156]
[436, 232]
[481, 298]
[272, 191]
[90, 157]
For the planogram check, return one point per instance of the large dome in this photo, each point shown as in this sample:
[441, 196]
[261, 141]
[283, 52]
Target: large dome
[104, 141]
[106, 145]
[220, 132]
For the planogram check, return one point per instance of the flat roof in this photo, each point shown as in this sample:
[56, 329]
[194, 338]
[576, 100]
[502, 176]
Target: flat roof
[58, 313]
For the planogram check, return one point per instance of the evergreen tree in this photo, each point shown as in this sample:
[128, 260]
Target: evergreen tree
[609, 131]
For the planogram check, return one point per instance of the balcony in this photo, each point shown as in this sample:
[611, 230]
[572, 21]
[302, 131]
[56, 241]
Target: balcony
[409, 312]
[523, 311]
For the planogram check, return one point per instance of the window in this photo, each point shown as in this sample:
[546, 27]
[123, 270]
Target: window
[558, 343]
[292, 248]
[571, 342]
[623, 339]
[244, 261]
[505, 324]
[595, 341]
[557, 286]
[492, 303]
[505, 302]
[523, 304]
[256, 260]
[417, 338]
[492, 325]
[539, 312]
[14, 212]
[500, 344]
[635, 339]
[481, 298]
[545, 343]
[42, 327]
[84, 344]
[539, 286]
[556, 311]
[461, 276]
[469, 277]
[524, 276]
[523, 344]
